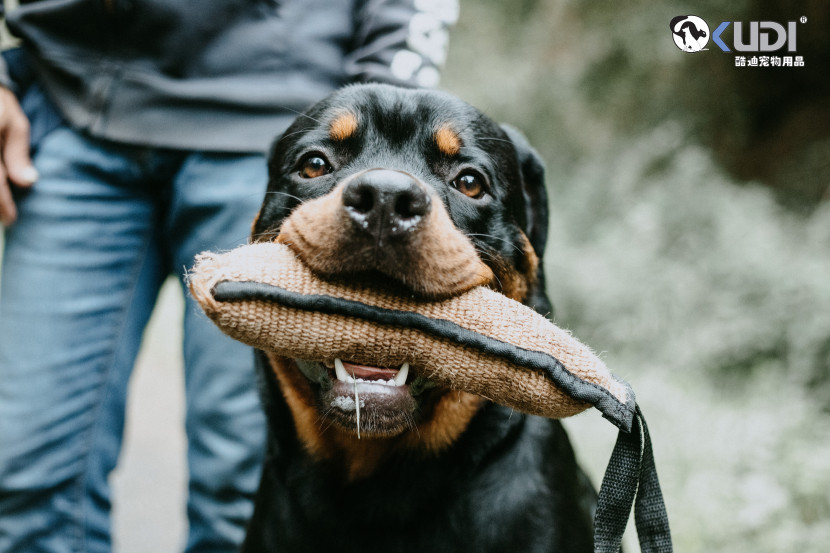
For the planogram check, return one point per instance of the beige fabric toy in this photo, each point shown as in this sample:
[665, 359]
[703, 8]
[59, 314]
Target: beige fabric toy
[459, 360]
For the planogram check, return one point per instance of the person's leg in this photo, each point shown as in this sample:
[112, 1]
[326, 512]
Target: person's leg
[81, 270]
[214, 202]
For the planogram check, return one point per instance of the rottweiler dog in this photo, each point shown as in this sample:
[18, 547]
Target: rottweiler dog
[419, 190]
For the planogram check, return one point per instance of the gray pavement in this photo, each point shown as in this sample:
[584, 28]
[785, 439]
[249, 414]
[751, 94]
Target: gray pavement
[150, 481]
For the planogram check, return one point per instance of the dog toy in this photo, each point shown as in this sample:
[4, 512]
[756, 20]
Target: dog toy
[479, 341]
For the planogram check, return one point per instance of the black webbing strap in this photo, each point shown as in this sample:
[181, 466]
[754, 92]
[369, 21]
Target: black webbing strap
[631, 478]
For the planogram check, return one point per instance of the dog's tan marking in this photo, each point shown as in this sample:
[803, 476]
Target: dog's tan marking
[253, 225]
[515, 282]
[531, 260]
[452, 415]
[343, 126]
[300, 399]
[448, 140]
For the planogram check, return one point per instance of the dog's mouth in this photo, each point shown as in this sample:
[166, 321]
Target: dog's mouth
[367, 401]
[352, 373]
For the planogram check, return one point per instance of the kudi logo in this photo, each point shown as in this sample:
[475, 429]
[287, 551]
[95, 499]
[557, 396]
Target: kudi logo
[761, 34]
[690, 32]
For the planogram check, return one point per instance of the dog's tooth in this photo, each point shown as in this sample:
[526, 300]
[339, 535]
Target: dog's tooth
[400, 378]
[340, 370]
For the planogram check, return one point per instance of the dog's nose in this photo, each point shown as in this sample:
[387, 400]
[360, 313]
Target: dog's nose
[385, 203]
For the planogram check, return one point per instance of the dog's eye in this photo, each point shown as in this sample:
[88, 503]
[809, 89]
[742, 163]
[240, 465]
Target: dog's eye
[314, 166]
[470, 184]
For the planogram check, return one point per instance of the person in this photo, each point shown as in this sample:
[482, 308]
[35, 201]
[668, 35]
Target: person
[133, 137]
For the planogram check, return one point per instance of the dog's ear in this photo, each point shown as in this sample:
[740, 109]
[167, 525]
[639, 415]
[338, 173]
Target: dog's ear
[535, 223]
[533, 189]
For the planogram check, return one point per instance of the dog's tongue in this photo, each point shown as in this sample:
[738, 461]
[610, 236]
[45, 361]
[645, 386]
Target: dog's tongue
[369, 373]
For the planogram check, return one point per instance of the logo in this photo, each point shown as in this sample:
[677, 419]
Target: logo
[760, 36]
[690, 33]
[753, 40]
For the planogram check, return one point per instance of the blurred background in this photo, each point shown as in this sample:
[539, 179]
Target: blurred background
[689, 243]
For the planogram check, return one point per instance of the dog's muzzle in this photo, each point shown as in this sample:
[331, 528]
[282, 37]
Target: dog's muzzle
[386, 223]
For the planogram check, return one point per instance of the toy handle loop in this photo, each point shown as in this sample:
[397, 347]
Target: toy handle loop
[631, 478]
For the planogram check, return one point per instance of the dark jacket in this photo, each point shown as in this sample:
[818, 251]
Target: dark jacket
[222, 75]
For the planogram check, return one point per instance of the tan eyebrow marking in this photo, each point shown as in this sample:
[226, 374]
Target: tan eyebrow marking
[343, 126]
[448, 140]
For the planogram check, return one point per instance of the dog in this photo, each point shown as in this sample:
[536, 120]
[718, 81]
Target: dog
[417, 190]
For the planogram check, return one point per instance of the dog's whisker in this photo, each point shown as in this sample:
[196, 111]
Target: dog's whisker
[233, 241]
[301, 131]
[495, 139]
[508, 242]
[301, 114]
[496, 277]
[317, 257]
[268, 235]
[284, 194]
[487, 255]
[486, 154]
[325, 420]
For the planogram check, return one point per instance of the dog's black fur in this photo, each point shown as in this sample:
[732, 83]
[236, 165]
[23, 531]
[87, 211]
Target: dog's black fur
[510, 481]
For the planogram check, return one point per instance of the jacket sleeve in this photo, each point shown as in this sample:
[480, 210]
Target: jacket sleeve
[401, 42]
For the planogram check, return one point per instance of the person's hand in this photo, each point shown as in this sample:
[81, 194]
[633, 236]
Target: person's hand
[15, 166]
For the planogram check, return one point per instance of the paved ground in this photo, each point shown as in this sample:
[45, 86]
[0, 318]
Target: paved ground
[150, 482]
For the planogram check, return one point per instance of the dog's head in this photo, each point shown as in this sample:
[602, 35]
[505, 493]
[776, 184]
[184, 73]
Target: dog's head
[412, 189]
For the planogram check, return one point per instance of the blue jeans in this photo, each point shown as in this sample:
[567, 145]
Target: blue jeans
[95, 238]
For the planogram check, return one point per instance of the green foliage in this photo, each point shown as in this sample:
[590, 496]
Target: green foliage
[697, 271]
